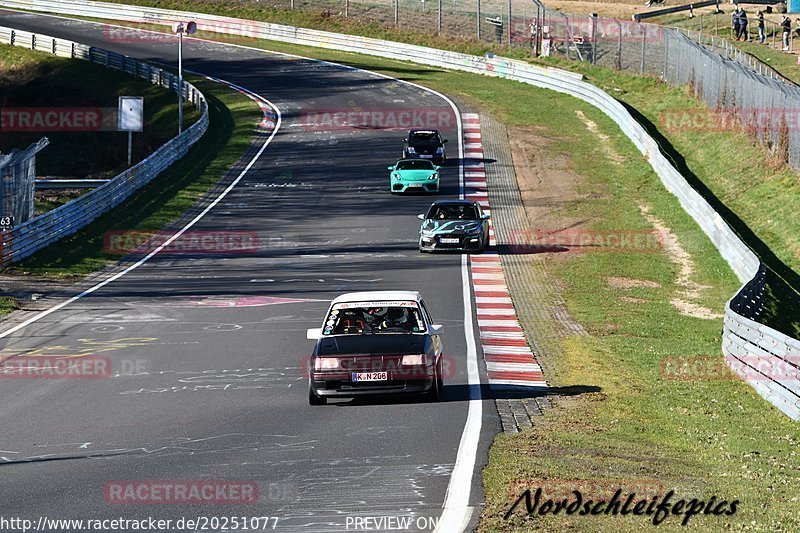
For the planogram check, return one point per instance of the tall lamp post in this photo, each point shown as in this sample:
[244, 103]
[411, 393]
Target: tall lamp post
[180, 28]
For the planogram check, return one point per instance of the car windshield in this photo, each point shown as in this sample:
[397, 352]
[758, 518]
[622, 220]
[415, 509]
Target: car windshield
[415, 164]
[453, 212]
[366, 318]
[424, 137]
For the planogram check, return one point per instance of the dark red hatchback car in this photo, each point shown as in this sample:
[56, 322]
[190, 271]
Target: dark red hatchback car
[381, 342]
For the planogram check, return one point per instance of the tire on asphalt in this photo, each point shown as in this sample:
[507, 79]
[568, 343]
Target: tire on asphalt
[313, 399]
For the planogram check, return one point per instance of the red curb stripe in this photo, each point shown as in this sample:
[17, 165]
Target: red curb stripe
[491, 341]
[515, 375]
[491, 294]
[499, 329]
[495, 306]
[510, 358]
[487, 269]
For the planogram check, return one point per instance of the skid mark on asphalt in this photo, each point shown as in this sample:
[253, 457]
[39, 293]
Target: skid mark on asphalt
[219, 380]
[509, 359]
[229, 443]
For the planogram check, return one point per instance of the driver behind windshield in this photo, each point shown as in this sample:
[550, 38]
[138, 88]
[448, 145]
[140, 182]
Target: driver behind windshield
[455, 212]
[374, 320]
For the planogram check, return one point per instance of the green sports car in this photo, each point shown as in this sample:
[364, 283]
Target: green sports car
[409, 175]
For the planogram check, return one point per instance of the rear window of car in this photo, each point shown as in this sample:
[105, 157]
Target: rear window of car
[367, 318]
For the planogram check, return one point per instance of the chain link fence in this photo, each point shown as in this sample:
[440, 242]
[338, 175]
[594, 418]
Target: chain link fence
[17, 184]
[494, 21]
[742, 92]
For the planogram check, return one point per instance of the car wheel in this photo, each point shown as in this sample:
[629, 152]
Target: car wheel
[435, 393]
[313, 399]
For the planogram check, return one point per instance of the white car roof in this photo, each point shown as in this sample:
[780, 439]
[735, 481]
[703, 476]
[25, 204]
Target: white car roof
[369, 296]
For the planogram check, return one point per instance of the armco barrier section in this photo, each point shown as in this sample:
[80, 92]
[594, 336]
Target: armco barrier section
[40, 231]
[751, 349]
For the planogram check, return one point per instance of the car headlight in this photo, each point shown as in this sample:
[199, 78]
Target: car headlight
[411, 150]
[433, 176]
[412, 360]
[473, 231]
[440, 150]
[326, 363]
[396, 176]
[427, 233]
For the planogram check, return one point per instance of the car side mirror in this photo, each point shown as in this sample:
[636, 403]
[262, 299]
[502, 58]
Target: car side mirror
[389, 168]
[437, 168]
[314, 334]
[421, 216]
[444, 141]
[485, 217]
[436, 328]
[405, 140]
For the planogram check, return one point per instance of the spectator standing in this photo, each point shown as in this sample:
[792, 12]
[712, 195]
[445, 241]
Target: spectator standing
[786, 24]
[760, 19]
[743, 25]
[735, 22]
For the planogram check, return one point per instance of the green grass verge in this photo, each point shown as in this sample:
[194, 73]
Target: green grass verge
[745, 182]
[233, 118]
[7, 304]
[48, 201]
[702, 437]
[37, 79]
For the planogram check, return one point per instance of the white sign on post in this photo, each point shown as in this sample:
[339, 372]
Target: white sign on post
[130, 118]
[131, 113]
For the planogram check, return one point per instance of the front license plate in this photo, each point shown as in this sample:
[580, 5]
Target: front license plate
[448, 240]
[370, 376]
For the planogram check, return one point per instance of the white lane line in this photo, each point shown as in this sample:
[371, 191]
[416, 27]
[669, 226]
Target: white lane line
[169, 241]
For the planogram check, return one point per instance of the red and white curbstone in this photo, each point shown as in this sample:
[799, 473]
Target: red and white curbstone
[509, 359]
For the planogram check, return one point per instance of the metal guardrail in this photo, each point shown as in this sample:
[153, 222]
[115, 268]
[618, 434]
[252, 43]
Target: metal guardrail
[38, 232]
[676, 9]
[746, 344]
[17, 176]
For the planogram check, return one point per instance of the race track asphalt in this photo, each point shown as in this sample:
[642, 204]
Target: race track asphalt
[208, 373]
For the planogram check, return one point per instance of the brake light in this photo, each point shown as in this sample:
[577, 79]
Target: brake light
[326, 363]
[411, 360]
